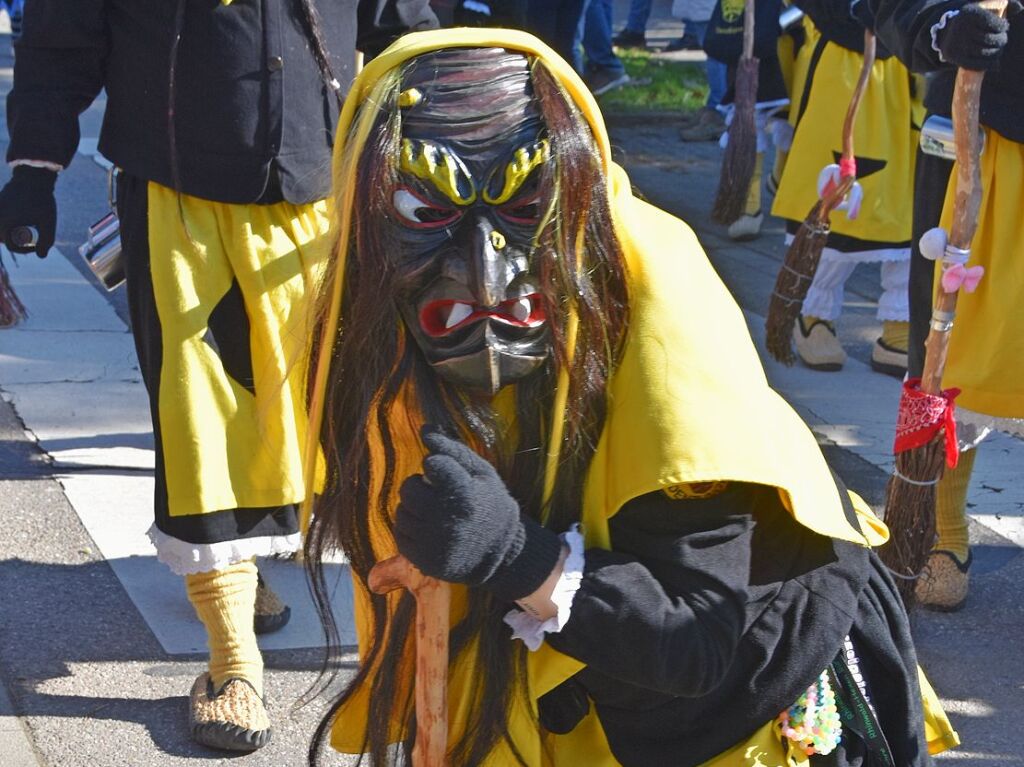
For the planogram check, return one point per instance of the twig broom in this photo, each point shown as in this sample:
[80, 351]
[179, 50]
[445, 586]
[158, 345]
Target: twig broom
[12, 311]
[926, 429]
[741, 148]
[804, 252]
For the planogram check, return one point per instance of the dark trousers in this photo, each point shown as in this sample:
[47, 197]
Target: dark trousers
[930, 181]
[556, 22]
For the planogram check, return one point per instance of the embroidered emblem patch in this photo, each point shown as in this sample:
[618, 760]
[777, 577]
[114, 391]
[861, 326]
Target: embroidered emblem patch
[689, 490]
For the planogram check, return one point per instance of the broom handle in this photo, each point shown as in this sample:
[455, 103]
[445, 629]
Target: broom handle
[966, 205]
[433, 601]
[858, 94]
[846, 182]
[748, 29]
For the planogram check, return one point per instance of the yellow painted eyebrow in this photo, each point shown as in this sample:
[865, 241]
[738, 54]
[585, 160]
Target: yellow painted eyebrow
[523, 162]
[440, 167]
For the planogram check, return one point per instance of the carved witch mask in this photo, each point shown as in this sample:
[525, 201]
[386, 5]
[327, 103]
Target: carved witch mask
[472, 188]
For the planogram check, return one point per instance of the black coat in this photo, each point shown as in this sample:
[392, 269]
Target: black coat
[843, 22]
[710, 616]
[249, 92]
[905, 26]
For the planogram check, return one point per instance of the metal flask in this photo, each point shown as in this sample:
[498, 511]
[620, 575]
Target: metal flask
[789, 17]
[102, 251]
[937, 138]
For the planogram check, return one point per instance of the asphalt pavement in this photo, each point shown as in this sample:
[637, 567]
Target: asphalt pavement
[98, 645]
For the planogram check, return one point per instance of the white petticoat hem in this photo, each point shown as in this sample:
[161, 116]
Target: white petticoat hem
[764, 114]
[861, 256]
[973, 427]
[186, 558]
[532, 631]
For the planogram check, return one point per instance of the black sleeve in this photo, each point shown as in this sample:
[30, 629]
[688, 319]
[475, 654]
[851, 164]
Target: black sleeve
[840, 21]
[381, 22]
[905, 27]
[665, 609]
[59, 68]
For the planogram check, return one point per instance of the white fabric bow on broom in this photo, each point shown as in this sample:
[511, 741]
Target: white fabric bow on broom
[955, 272]
[829, 180]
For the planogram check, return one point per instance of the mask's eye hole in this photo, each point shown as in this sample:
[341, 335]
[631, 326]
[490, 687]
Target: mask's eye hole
[522, 211]
[417, 212]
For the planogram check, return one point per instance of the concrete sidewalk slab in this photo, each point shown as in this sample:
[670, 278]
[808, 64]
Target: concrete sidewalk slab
[15, 744]
[57, 298]
[95, 424]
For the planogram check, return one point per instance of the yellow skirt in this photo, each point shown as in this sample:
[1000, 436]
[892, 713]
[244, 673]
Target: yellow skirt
[986, 349]
[795, 71]
[231, 443]
[885, 141]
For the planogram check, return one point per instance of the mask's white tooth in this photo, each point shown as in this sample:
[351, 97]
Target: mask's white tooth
[521, 309]
[458, 314]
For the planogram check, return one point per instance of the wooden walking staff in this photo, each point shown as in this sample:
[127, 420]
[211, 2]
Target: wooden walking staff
[433, 598]
[741, 150]
[926, 429]
[838, 185]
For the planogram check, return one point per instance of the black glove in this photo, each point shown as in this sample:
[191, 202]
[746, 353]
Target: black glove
[457, 522]
[974, 38]
[564, 707]
[27, 201]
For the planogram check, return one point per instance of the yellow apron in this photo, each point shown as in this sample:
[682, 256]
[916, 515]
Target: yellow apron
[986, 349]
[800, 67]
[224, 446]
[885, 141]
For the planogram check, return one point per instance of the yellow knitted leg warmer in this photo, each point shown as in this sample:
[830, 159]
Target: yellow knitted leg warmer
[810, 319]
[753, 206]
[951, 507]
[224, 601]
[896, 335]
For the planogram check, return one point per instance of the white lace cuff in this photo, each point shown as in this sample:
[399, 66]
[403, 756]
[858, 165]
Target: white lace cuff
[938, 27]
[44, 164]
[532, 631]
[186, 558]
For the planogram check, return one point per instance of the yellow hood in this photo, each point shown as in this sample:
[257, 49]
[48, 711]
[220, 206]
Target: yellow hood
[689, 402]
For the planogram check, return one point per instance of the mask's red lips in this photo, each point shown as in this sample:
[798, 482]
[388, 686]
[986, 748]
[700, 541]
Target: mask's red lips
[444, 316]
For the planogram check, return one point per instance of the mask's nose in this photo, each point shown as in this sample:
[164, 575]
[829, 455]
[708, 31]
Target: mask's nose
[487, 266]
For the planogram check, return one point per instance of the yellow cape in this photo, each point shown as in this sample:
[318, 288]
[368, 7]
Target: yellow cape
[689, 402]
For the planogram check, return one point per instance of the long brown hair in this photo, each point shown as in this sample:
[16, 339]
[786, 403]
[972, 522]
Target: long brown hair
[582, 271]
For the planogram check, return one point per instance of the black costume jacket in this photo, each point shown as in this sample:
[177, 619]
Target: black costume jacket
[711, 616]
[843, 22]
[249, 93]
[906, 26]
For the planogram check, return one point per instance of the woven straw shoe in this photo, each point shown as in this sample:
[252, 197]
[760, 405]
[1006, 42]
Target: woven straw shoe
[943, 584]
[746, 227]
[818, 346]
[709, 126]
[271, 613]
[233, 718]
[888, 359]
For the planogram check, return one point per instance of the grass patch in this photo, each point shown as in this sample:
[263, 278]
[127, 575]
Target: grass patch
[662, 85]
